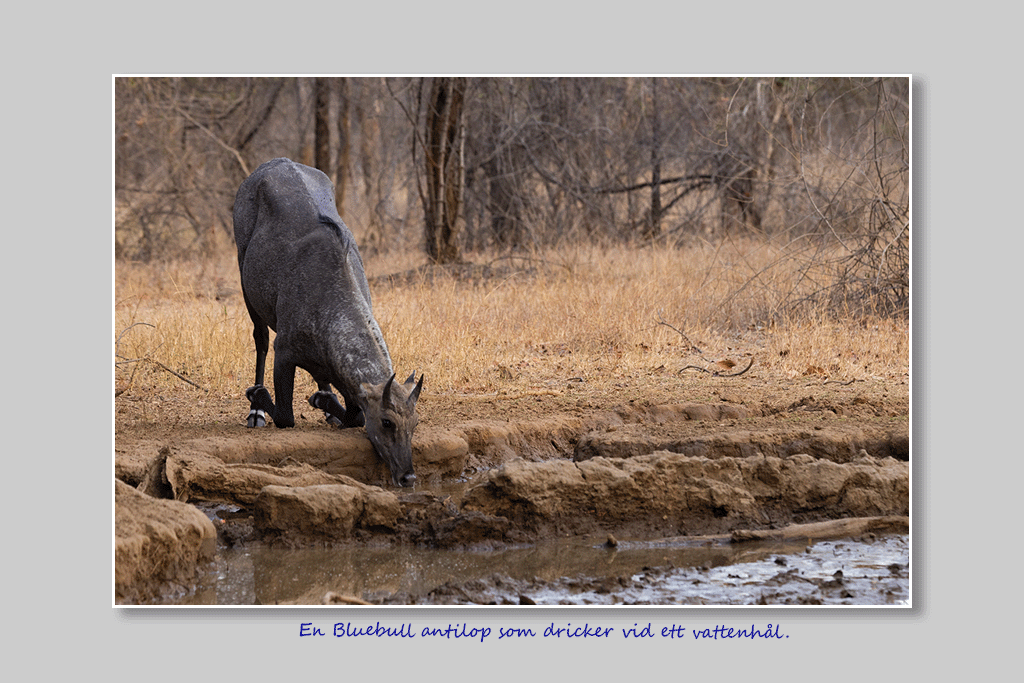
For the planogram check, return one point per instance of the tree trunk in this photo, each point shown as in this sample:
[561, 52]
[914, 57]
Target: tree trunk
[654, 226]
[344, 147]
[445, 171]
[366, 110]
[321, 131]
[502, 170]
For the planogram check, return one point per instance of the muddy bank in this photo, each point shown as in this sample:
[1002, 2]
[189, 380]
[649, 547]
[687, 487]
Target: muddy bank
[522, 501]
[680, 470]
[159, 545]
[670, 493]
[820, 429]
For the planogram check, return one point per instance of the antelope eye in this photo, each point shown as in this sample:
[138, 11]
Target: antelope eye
[387, 424]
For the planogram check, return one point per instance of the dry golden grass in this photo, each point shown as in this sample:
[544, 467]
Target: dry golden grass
[585, 314]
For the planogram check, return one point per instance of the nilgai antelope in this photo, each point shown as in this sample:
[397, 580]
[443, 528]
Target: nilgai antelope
[302, 277]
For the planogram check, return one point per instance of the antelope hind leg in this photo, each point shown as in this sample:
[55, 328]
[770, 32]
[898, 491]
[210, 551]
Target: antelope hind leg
[260, 404]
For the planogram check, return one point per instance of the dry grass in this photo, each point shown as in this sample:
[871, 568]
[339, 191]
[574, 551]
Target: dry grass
[587, 315]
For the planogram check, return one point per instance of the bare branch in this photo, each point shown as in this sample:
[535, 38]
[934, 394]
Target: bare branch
[161, 365]
[694, 349]
[662, 321]
[125, 330]
[232, 150]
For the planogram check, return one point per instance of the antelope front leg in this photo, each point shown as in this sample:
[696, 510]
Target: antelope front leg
[326, 401]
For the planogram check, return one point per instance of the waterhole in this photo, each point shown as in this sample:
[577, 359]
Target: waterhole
[576, 571]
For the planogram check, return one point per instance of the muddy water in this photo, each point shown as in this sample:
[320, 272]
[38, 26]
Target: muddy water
[826, 573]
[569, 571]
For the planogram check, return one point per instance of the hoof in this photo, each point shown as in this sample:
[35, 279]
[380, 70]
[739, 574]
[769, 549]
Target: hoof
[321, 399]
[252, 392]
[257, 418]
[328, 402]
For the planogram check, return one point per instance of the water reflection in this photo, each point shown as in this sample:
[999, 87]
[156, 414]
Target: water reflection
[267, 576]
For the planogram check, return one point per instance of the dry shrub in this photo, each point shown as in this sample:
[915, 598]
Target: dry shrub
[188, 317]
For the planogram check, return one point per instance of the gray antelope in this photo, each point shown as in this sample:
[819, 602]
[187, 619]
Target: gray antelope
[302, 277]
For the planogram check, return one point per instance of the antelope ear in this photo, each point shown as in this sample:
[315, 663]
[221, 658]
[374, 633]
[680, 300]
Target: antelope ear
[363, 394]
[416, 392]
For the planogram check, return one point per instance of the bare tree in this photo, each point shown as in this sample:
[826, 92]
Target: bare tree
[182, 146]
[821, 164]
[341, 174]
[445, 168]
[321, 133]
[654, 227]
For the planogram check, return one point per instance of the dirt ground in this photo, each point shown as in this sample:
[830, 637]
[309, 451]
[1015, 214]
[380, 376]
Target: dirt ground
[775, 406]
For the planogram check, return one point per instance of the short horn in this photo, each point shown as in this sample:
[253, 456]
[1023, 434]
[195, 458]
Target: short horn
[386, 397]
[416, 392]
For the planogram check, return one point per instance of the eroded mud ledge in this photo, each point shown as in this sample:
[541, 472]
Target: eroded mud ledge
[633, 472]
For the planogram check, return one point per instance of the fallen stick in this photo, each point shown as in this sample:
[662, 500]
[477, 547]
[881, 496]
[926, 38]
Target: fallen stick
[835, 528]
[716, 373]
[332, 598]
